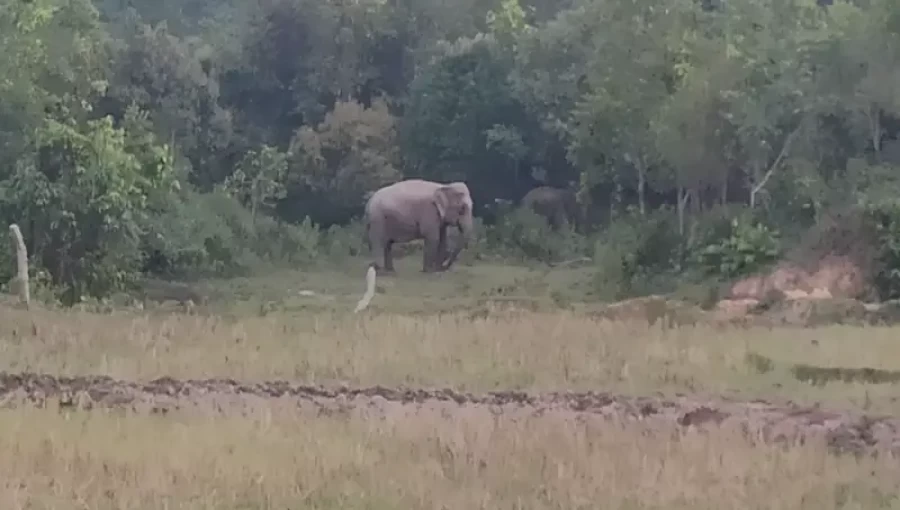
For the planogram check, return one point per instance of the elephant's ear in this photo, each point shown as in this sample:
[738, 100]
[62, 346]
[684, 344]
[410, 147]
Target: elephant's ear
[442, 201]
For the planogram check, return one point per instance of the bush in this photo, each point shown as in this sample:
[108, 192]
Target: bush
[885, 220]
[743, 248]
[635, 252]
[345, 241]
[212, 234]
[524, 234]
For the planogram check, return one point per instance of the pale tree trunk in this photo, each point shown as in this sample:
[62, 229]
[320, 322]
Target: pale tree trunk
[874, 115]
[616, 197]
[760, 182]
[753, 185]
[21, 279]
[253, 201]
[684, 195]
[642, 184]
[723, 190]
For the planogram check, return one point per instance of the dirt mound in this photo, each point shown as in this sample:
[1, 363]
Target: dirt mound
[833, 276]
[648, 308]
[805, 311]
[817, 312]
[835, 259]
[843, 431]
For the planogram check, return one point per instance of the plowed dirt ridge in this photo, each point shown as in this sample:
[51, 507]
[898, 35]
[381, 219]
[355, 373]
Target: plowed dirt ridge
[844, 431]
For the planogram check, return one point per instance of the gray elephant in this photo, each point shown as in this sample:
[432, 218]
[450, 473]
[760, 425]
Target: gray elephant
[418, 209]
[558, 205]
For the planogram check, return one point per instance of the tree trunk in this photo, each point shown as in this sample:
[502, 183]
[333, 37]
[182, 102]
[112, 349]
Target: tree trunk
[21, 266]
[723, 189]
[683, 196]
[874, 115]
[753, 185]
[642, 182]
[759, 181]
[615, 198]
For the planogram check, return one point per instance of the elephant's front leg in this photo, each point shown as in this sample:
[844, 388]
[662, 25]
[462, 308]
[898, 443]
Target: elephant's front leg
[450, 258]
[431, 254]
[441, 256]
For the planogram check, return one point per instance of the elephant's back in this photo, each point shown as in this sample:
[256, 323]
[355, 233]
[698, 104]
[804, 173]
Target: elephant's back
[541, 196]
[402, 194]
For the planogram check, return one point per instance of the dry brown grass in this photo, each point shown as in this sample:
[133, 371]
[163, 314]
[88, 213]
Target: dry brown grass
[531, 351]
[276, 458]
[279, 460]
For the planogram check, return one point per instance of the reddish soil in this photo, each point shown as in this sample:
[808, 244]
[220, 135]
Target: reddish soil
[843, 431]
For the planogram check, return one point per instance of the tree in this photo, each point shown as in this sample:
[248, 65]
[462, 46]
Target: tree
[84, 191]
[258, 180]
[454, 106]
[173, 80]
[53, 63]
[336, 163]
[862, 78]
[628, 78]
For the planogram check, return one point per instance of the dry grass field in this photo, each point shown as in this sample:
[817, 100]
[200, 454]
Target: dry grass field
[274, 456]
[110, 461]
[533, 351]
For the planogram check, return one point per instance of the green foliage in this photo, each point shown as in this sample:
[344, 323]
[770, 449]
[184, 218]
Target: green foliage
[85, 192]
[462, 121]
[238, 243]
[885, 217]
[345, 241]
[633, 250]
[170, 77]
[523, 234]
[258, 179]
[745, 248]
[212, 234]
[350, 153]
[213, 137]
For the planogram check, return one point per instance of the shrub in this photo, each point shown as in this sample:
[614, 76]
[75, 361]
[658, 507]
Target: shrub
[284, 243]
[745, 247]
[634, 252]
[342, 241]
[525, 234]
[885, 218]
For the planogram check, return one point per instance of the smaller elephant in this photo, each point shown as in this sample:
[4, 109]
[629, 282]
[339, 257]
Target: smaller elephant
[559, 206]
[418, 209]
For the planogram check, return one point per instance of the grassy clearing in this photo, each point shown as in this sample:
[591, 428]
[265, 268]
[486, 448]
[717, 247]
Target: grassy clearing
[527, 350]
[276, 460]
[339, 287]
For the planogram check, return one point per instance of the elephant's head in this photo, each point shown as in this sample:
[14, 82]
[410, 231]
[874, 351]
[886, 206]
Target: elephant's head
[454, 205]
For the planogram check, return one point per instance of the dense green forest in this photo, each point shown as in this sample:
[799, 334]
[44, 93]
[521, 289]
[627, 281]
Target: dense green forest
[192, 137]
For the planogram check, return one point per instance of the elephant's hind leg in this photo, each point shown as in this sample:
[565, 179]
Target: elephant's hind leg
[379, 247]
[388, 257]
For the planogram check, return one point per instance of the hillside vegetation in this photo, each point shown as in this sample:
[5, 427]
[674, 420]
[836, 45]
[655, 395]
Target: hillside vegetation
[211, 138]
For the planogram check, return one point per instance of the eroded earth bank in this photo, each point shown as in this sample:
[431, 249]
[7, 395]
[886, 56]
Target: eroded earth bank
[843, 431]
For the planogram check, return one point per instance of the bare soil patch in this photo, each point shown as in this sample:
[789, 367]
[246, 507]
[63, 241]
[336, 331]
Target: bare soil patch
[773, 422]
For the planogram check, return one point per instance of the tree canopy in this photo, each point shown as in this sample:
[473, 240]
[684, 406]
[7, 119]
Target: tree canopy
[132, 134]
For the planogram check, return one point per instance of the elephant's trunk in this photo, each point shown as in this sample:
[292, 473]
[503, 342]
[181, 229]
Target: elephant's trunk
[465, 230]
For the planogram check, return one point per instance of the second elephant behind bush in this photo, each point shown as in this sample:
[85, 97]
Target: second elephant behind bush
[558, 205]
